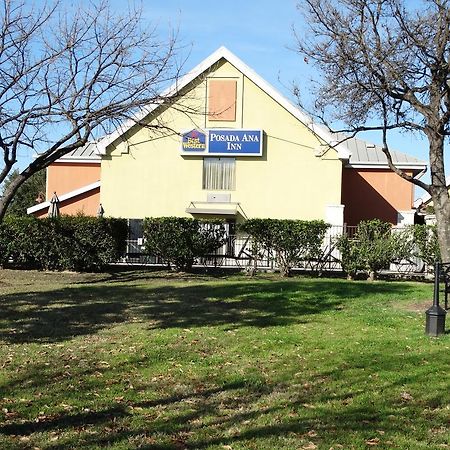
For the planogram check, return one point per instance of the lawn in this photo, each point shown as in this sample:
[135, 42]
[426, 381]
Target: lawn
[156, 360]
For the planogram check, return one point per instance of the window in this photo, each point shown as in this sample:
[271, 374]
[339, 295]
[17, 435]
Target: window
[222, 100]
[219, 173]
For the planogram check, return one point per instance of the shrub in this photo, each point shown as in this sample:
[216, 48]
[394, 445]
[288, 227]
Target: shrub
[350, 260]
[373, 248]
[178, 241]
[62, 243]
[289, 241]
[23, 241]
[427, 245]
[96, 241]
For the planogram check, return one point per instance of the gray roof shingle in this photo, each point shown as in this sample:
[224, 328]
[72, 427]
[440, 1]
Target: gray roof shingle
[363, 152]
[86, 152]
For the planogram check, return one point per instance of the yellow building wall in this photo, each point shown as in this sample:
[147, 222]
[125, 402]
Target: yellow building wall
[147, 177]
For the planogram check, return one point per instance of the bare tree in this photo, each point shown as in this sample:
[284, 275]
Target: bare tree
[384, 65]
[67, 73]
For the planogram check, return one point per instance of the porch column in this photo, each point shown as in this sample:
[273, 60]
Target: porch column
[405, 218]
[334, 215]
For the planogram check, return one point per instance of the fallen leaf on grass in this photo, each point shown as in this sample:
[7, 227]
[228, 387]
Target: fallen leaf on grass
[309, 446]
[373, 442]
[308, 405]
[406, 396]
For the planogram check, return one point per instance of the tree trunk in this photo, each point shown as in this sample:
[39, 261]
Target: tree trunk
[285, 270]
[9, 193]
[442, 210]
[439, 191]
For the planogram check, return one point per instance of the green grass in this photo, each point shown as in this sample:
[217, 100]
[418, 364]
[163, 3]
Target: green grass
[163, 361]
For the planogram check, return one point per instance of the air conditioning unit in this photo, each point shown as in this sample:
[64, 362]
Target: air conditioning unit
[218, 198]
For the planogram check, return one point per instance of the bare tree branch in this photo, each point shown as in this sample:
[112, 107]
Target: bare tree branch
[384, 65]
[68, 74]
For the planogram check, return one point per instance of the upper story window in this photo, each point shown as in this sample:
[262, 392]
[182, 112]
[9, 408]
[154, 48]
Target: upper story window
[222, 100]
[219, 173]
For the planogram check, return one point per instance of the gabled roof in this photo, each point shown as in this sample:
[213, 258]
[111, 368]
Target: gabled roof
[224, 53]
[85, 154]
[67, 196]
[365, 154]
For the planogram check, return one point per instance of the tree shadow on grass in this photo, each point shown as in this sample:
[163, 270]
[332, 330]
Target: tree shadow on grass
[58, 315]
[242, 413]
[121, 274]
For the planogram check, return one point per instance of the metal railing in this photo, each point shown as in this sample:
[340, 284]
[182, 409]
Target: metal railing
[238, 252]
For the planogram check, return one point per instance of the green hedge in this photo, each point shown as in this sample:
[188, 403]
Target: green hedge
[375, 246]
[64, 243]
[289, 241]
[425, 237]
[179, 241]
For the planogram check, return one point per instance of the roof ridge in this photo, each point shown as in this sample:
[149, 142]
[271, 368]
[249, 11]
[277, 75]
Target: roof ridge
[207, 63]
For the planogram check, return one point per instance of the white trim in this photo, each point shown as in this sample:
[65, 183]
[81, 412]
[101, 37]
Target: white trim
[381, 165]
[78, 161]
[217, 212]
[46, 184]
[64, 197]
[342, 151]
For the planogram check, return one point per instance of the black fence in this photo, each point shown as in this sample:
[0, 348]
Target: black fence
[237, 253]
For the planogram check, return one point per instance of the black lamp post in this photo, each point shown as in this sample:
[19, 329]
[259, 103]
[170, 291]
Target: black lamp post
[435, 316]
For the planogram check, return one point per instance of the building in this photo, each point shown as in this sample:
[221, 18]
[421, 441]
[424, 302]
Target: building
[76, 180]
[370, 189]
[242, 151]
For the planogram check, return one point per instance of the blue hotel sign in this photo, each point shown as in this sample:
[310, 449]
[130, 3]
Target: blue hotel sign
[193, 142]
[235, 142]
[223, 142]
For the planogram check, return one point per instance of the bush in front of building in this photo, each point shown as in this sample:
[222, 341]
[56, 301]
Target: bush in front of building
[373, 248]
[288, 241]
[63, 243]
[178, 241]
[350, 258]
[427, 245]
[97, 242]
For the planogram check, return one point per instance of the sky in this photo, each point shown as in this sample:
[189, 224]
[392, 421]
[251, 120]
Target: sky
[259, 32]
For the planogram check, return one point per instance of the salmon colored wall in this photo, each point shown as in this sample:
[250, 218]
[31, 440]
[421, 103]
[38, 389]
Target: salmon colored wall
[374, 193]
[85, 204]
[66, 177]
[222, 100]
